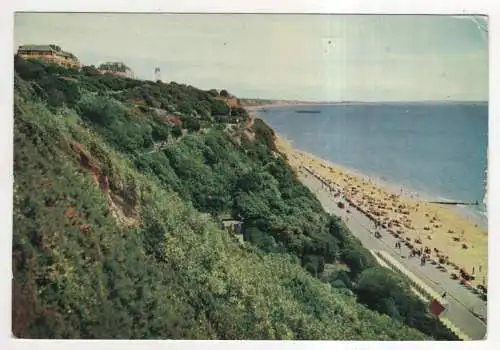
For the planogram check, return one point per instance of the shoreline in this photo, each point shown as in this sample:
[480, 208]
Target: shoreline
[413, 194]
[476, 217]
[434, 225]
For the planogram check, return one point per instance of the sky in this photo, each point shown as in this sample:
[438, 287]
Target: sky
[299, 57]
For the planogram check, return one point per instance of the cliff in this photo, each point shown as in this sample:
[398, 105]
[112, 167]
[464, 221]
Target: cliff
[117, 230]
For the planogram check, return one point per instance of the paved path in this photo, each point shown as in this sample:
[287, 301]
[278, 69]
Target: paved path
[460, 300]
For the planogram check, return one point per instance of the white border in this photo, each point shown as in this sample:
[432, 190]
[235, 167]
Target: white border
[255, 6]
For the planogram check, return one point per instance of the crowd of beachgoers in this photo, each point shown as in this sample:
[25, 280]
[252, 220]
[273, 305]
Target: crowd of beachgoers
[434, 233]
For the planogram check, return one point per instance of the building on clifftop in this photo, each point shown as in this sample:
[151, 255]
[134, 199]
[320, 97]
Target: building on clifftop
[116, 68]
[49, 53]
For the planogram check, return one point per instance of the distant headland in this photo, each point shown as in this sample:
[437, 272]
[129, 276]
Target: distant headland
[267, 103]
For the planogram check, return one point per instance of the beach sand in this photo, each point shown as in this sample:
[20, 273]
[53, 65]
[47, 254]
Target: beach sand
[444, 231]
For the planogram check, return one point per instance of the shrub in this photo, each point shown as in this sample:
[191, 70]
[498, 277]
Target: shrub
[100, 110]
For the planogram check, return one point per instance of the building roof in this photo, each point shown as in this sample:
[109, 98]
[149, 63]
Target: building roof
[36, 48]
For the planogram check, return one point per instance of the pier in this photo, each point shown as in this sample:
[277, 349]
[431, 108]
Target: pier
[454, 202]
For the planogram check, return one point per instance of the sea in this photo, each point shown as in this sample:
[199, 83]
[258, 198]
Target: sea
[432, 151]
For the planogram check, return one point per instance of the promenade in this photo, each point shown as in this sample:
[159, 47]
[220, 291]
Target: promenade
[464, 308]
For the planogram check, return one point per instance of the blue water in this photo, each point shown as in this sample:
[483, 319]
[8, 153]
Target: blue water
[436, 150]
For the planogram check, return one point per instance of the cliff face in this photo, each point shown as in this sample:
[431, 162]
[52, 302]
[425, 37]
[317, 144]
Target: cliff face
[115, 221]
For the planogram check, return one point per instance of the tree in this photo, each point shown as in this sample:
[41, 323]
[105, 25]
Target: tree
[160, 132]
[239, 112]
[59, 90]
[100, 110]
[261, 239]
[176, 131]
[29, 69]
[192, 124]
[224, 93]
[315, 264]
[218, 108]
[90, 70]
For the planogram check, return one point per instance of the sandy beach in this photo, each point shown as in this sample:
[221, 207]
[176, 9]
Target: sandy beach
[453, 240]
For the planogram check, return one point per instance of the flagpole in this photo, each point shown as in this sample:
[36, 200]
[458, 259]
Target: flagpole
[436, 325]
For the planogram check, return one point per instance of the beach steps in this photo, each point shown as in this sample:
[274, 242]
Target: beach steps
[422, 290]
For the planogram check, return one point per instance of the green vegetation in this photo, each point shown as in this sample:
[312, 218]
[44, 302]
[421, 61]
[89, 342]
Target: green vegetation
[114, 66]
[224, 93]
[142, 261]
